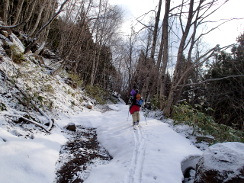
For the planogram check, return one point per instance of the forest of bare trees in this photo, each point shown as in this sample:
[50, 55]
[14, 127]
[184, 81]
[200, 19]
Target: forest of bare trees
[165, 60]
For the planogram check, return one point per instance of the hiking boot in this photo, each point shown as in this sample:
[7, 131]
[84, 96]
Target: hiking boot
[137, 123]
[134, 123]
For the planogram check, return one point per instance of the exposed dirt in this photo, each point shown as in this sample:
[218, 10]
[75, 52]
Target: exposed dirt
[79, 154]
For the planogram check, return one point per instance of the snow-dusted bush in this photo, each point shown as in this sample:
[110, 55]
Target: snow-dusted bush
[202, 123]
[97, 93]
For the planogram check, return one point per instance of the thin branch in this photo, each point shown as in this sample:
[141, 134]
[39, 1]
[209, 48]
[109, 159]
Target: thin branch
[182, 4]
[53, 17]
[146, 14]
[214, 9]
[199, 61]
[225, 20]
[2, 27]
[213, 79]
[145, 26]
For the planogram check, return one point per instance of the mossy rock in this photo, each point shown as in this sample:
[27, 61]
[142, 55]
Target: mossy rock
[14, 53]
[3, 107]
[1, 59]
[17, 55]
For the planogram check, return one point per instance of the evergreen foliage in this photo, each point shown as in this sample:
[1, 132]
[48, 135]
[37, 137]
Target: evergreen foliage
[225, 96]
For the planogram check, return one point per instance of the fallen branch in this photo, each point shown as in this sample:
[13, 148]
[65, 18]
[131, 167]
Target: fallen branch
[28, 120]
[4, 140]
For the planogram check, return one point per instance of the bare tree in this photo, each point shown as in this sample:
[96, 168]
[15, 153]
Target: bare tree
[27, 49]
[163, 52]
[41, 8]
[195, 18]
[5, 11]
[155, 31]
[107, 21]
[146, 92]
[18, 11]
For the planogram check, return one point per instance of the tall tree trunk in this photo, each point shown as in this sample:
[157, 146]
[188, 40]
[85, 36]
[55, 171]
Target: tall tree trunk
[94, 65]
[37, 20]
[168, 108]
[165, 42]
[47, 16]
[95, 27]
[146, 90]
[5, 11]
[100, 40]
[155, 31]
[29, 13]
[18, 11]
[45, 25]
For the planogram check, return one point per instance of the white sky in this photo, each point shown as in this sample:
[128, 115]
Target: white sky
[225, 35]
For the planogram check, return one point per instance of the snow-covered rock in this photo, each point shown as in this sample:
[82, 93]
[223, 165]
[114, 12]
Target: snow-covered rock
[222, 162]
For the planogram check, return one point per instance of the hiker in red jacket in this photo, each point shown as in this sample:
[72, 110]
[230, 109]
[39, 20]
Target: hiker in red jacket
[136, 103]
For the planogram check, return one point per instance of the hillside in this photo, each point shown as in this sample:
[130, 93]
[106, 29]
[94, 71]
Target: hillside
[35, 108]
[28, 80]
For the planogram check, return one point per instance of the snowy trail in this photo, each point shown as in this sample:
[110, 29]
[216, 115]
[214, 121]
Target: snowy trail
[140, 155]
[150, 154]
[136, 169]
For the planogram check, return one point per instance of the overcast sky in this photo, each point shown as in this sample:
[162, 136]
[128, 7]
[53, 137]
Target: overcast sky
[225, 35]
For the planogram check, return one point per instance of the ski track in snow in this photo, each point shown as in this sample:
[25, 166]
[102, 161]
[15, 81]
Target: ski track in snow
[136, 168]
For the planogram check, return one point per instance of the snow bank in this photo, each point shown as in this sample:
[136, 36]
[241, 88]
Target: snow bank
[29, 160]
[222, 162]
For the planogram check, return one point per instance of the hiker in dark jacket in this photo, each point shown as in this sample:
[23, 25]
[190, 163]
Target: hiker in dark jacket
[136, 103]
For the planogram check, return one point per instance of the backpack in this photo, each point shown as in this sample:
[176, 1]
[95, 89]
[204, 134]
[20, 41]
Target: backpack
[135, 98]
[132, 96]
[133, 92]
[138, 100]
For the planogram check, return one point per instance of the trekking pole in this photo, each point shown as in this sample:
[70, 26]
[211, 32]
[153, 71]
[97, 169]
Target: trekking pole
[144, 114]
[145, 119]
[128, 115]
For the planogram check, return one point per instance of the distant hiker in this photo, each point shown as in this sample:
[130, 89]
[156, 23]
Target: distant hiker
[136, 102]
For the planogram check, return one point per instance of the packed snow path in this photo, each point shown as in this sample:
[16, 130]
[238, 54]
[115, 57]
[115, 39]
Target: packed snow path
[150, 154]
[135, 173]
